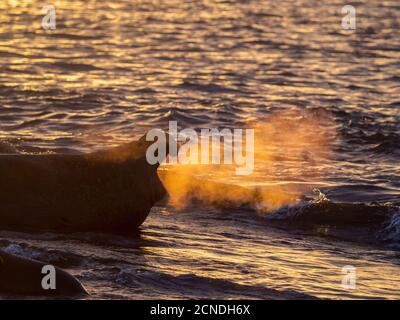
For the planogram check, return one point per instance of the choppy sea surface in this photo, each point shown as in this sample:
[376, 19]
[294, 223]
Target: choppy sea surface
[111, 70]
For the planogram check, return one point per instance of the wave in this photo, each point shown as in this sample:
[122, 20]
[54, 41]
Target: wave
[196, 286]
[375, 223]
[60, 258]
[391, 230]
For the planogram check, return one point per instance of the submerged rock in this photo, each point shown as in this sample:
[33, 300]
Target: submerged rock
[22, 276]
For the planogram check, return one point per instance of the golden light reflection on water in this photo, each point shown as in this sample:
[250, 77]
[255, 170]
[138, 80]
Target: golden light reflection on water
[270, 264]
[111, 70]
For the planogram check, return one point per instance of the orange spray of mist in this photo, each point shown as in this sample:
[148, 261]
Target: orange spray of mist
[292, 150]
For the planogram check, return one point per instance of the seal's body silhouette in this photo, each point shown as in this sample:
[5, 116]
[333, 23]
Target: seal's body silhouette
[109, 191]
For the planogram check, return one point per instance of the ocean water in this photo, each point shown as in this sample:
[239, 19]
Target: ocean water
[111, 71]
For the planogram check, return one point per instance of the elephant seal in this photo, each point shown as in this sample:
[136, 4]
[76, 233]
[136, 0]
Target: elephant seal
[109, 191]
[22, 276]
